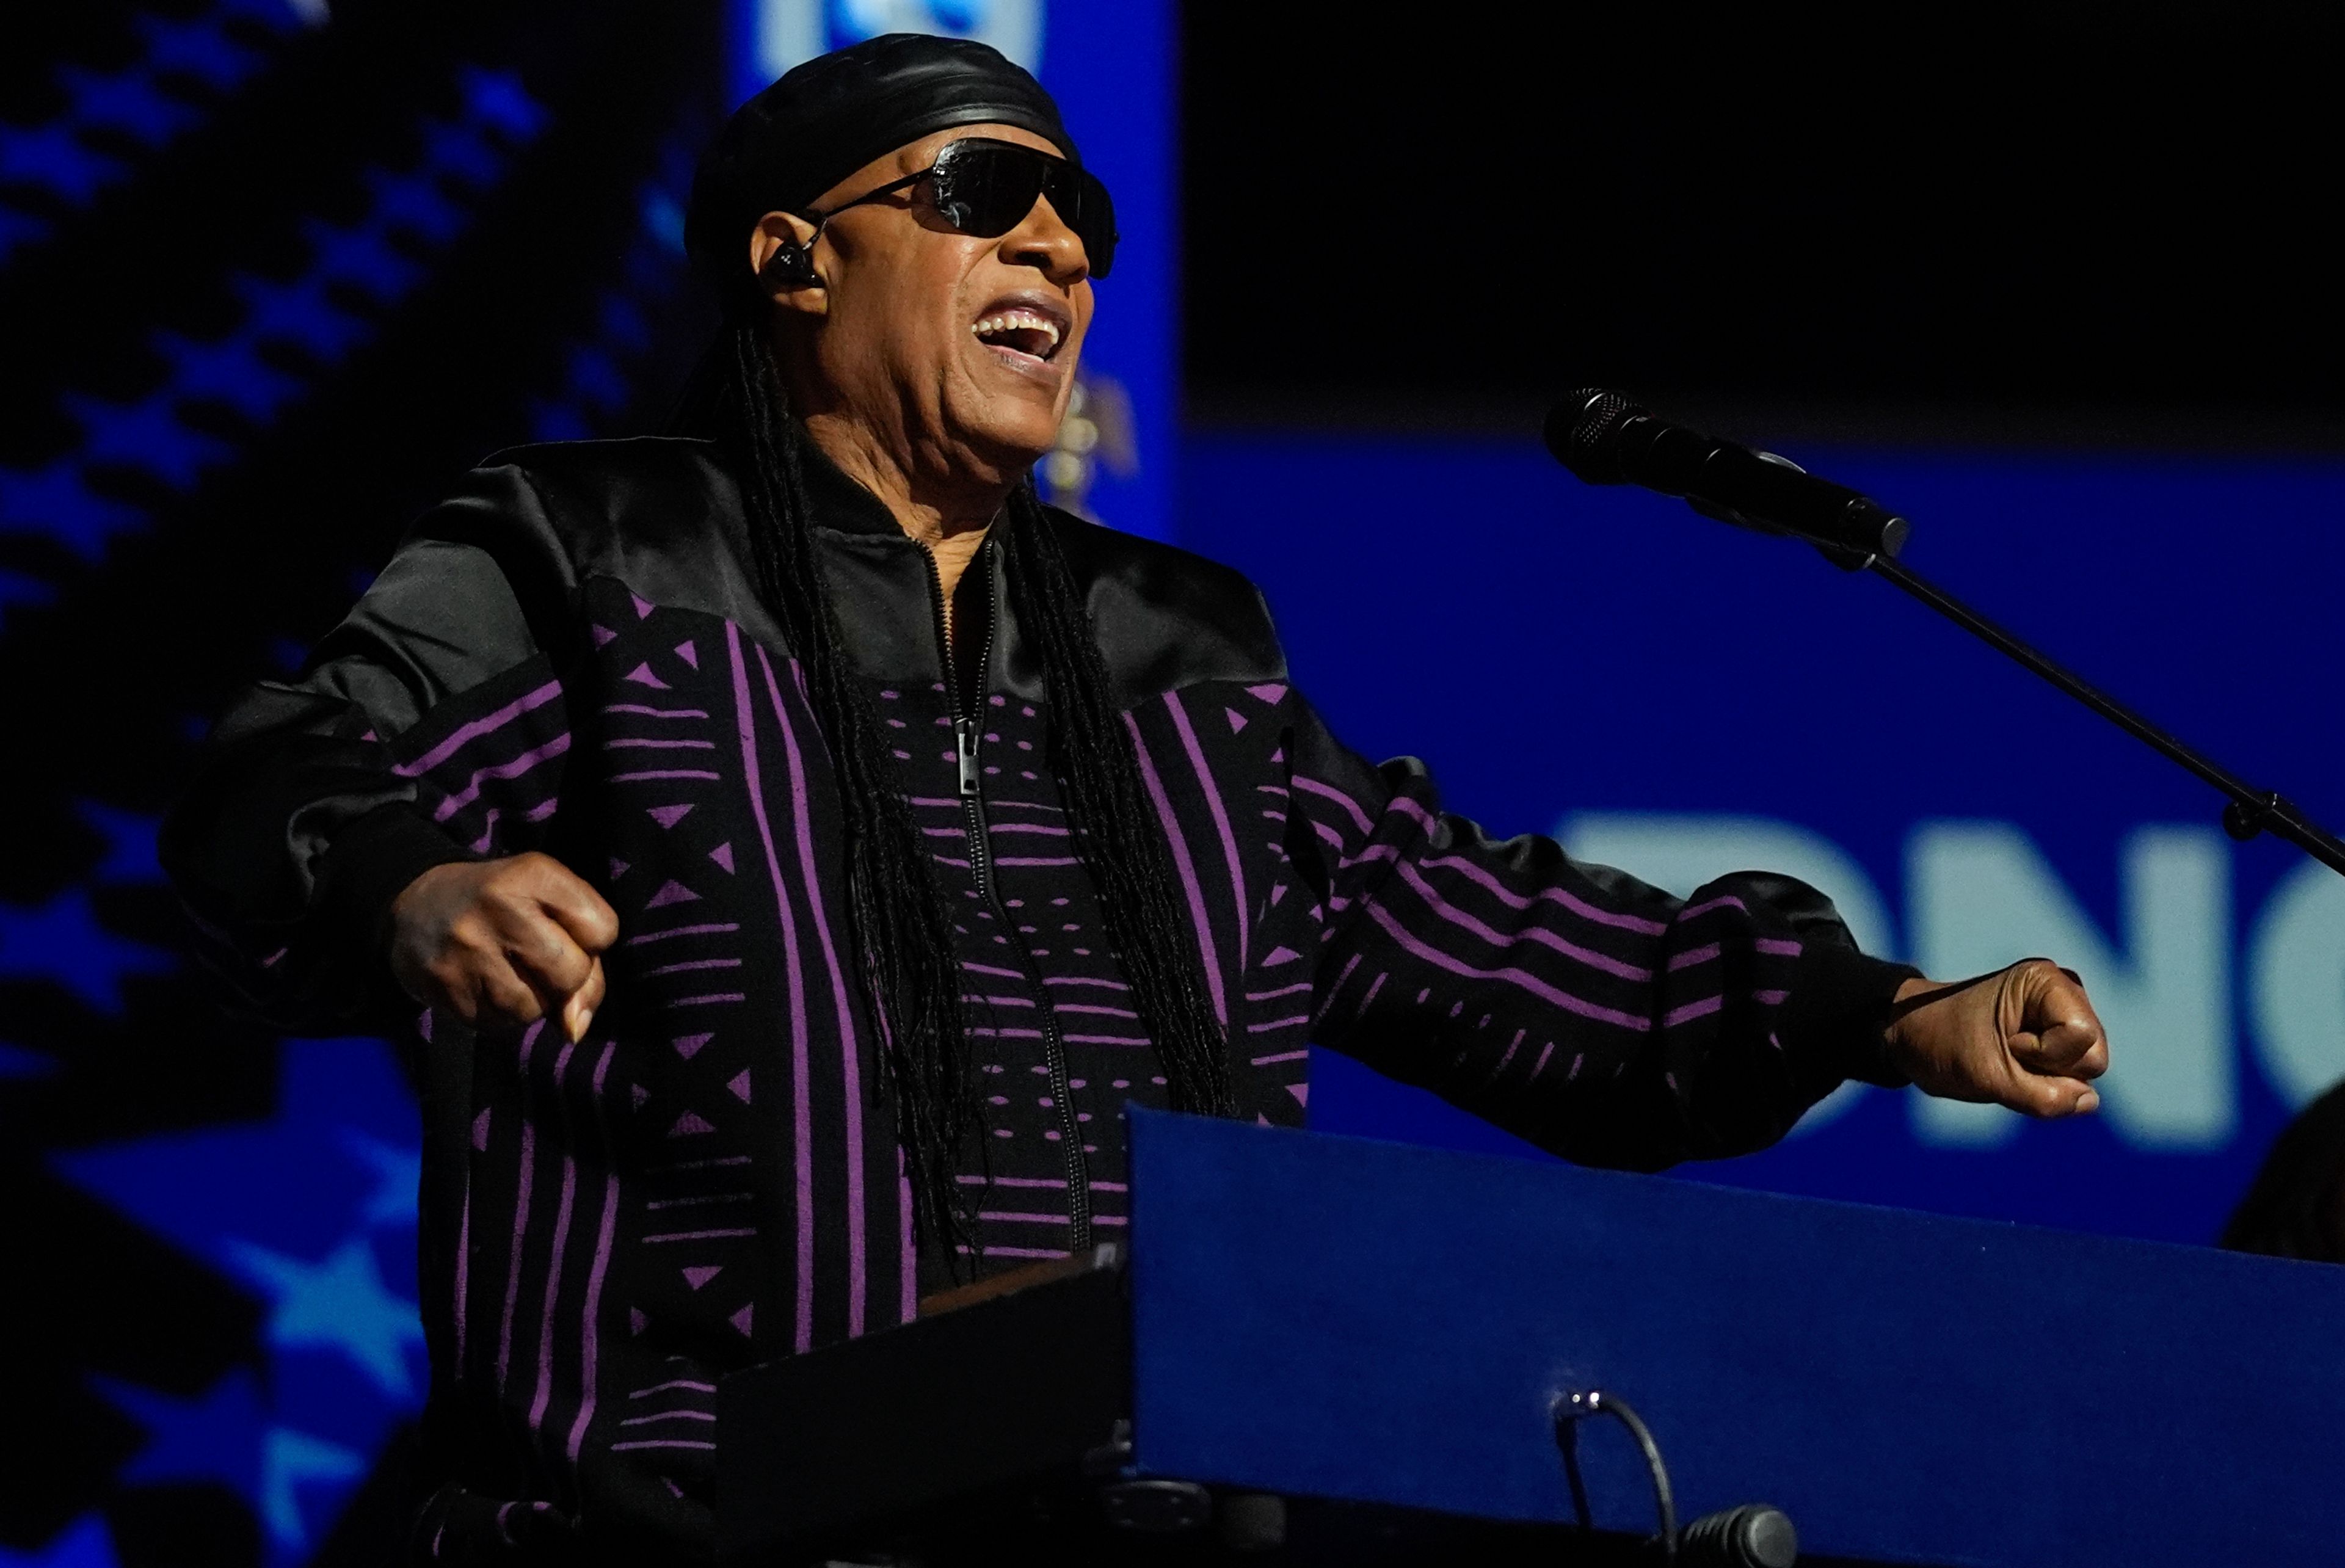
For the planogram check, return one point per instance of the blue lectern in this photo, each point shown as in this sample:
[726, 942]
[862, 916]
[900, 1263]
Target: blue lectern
[1359, 1323]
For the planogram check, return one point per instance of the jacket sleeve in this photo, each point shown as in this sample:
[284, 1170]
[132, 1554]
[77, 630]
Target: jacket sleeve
[1600, 1018]
[427, 727]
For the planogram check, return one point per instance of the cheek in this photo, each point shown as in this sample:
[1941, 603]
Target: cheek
[903, 310]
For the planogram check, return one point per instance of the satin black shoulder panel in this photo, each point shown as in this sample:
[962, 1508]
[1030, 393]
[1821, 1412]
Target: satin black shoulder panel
[1167, 618]
[663, 515]
[659, 513]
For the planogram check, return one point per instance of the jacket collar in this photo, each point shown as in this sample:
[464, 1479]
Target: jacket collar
[839, 503]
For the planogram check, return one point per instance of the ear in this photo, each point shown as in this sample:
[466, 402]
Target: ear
[780, 254]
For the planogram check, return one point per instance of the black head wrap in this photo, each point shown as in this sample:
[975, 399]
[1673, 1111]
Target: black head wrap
[828, 118]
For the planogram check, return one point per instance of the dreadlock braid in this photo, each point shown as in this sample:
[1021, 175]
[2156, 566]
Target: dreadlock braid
[896, 920]
[899, 927]
[1116, 832]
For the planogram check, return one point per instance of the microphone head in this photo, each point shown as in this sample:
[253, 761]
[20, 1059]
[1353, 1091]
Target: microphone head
[1584, 431]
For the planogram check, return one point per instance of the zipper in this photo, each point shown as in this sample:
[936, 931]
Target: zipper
[965, 728]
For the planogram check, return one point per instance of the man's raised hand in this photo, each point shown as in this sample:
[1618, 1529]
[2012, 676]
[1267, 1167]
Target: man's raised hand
[2025, 1036]
[503, 942]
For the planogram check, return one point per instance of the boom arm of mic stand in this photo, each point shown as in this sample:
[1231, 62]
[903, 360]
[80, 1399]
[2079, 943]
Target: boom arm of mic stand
[2250, 812]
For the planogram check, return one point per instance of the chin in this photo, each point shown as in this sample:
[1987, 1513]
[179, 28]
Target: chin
[1011, 400]
[1012, 434]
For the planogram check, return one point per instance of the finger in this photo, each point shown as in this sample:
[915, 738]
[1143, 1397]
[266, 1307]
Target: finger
[2073, 1051]
[2054, 998]
[2093, 1063]
[583, 913]
[470, 973]
[504, 997]
[2066, 1050]
[2048, 1097]
[578, 1012]
[545, 954]
[2080, 1098]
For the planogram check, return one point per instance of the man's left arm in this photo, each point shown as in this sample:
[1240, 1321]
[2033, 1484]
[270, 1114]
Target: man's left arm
[1615, 1024]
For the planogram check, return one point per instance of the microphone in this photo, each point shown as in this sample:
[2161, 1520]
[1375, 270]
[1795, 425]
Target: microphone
[1604, 439]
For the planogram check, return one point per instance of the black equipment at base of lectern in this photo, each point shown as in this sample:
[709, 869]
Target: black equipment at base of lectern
[998, 1433]
[967, 1422]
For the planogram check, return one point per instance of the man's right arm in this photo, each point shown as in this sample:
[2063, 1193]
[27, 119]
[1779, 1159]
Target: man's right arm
[374, 776]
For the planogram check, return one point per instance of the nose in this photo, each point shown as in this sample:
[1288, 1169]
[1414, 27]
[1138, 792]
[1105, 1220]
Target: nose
[1044, 241]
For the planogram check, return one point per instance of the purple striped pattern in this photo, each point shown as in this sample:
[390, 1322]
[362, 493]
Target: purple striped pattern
[1494, 945]
[1211, 794]
[478, 729]
[561, 1217]
[802, 1127]
[849, 1041]
[721, 1175]
[1186, 867]
[528, 1173]
[492, 782]
[591, 1316]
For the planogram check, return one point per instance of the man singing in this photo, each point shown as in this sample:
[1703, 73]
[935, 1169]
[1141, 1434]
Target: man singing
[801, 845]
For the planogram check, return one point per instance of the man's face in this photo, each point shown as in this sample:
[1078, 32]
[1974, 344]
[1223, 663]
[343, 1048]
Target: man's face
[959, 350]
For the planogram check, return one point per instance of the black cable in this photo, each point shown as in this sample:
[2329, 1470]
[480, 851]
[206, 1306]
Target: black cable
[1567, 1438]
[1571, 1408]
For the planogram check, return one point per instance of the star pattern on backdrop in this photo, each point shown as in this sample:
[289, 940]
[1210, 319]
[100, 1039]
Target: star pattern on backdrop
[17, 1062]
[224, 1435]
[62, 942]
[398, 1176]
[338, 1303]
[129, 856]
[84, 1544]
[55, 499]
[312, 1209]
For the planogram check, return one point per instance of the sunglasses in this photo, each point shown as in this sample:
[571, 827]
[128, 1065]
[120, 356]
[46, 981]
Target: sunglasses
[986, 187]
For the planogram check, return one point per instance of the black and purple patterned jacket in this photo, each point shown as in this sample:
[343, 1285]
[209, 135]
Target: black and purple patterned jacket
[569, 656]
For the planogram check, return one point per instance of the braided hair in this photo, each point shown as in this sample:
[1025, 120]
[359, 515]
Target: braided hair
[900, 930]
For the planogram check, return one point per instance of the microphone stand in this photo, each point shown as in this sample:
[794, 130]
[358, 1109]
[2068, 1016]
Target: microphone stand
[2250, 811]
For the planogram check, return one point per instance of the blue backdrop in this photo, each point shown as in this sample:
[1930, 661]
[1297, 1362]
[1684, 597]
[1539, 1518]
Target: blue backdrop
[1682, 698]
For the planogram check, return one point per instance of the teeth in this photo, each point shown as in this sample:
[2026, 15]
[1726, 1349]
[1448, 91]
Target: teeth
[1018, 321]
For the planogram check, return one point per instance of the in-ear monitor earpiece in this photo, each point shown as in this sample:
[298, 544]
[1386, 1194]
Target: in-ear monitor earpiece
[791, 265]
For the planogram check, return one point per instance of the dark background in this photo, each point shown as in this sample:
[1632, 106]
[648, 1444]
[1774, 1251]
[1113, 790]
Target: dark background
[2085, 225]
[2059, 222]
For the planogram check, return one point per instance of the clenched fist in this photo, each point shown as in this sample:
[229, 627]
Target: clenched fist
[2025, 1036]
[503, 942]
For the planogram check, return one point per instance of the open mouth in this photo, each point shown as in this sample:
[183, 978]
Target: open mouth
[1032, 329]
